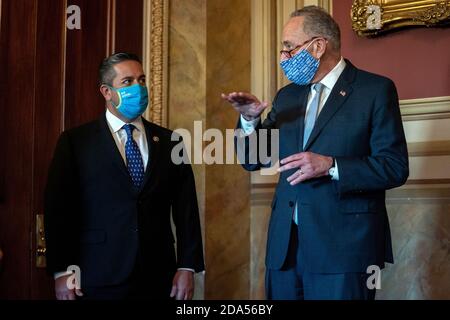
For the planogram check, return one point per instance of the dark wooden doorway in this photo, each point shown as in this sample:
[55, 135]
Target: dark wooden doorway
[48, 83]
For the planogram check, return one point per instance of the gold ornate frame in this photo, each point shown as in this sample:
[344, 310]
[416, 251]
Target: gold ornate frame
[156, 13]
[372, 17]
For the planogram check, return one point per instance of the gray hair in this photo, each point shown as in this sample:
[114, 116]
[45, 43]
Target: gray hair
[318, 23]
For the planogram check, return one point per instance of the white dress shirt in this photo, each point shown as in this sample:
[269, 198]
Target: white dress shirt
[120, 137]
[328, 82]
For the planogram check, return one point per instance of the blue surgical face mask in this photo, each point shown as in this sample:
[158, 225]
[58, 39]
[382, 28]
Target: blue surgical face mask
[133, 100]
[301, 68]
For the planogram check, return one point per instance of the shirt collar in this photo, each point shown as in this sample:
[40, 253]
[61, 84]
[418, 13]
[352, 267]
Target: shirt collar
[332, 77]
[116, 124]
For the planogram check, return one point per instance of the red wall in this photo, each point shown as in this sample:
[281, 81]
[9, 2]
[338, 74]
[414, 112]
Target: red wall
[417, 59]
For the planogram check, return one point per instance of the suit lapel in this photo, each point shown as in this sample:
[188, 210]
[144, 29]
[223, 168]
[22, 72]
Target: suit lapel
[113, 154]
[341, 91]
[111, 149]
[153, 142]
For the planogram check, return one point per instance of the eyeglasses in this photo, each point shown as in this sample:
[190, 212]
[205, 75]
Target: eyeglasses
[288, 53]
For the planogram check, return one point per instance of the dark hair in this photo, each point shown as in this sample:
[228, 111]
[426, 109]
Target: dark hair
[318, 23]
[106, 73]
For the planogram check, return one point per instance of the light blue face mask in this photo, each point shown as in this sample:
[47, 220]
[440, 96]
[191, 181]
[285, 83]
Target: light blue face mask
[133, 100]
[301, 68]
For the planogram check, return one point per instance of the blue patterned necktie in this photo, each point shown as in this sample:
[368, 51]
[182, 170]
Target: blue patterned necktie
[312, 113]
[135, 164]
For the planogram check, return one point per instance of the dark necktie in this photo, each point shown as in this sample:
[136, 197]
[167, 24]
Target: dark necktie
[135, 164]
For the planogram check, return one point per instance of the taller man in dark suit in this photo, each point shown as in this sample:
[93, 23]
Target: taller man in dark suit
[111, 191]
[342, 146]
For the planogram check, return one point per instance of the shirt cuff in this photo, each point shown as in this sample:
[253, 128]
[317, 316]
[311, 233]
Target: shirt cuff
[335, 175]
[186, 269]
[249, 126]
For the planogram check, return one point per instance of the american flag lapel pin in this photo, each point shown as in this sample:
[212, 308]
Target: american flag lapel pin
[343, 93]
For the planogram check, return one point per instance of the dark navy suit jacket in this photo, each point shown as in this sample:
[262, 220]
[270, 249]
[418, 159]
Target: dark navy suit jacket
[97, 220]
[343, 224]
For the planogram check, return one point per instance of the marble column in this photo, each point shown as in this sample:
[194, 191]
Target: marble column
[209, 53]
[187, 83]
[227, 213]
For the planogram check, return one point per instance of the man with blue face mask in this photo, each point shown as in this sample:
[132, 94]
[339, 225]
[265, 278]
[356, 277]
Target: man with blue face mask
[111, 193]
[341, 145]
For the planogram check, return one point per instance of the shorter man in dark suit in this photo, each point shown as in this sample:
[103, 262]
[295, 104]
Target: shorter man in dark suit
[112, 190]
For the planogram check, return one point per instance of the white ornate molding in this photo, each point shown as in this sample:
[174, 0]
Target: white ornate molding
[155, 58]
[425, 109]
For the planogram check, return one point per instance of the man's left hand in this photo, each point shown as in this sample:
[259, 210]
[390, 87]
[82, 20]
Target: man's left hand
[183, 285]
[310, 165]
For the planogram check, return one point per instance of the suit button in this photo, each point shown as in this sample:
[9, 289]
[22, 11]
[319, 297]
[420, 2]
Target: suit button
[291, 204]
[136, 230]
